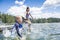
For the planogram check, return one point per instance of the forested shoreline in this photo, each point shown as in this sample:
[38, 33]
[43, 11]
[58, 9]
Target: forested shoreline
[5, 18]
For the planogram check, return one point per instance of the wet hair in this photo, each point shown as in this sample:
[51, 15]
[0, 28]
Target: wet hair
[27, 8]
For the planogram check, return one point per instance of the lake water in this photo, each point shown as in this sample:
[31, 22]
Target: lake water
[39, 31]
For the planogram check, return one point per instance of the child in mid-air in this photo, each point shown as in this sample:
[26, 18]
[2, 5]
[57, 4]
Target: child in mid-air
[27, 18]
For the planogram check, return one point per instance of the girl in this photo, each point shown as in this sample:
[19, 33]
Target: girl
[27, 18]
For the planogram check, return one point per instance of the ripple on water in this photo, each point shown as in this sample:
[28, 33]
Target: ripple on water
[41, 32]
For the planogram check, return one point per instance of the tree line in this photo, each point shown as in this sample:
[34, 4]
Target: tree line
[44, 20]
[5, 18]
[11, 19]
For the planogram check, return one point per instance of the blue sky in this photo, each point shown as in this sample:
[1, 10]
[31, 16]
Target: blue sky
[38, 8]
[5, 4]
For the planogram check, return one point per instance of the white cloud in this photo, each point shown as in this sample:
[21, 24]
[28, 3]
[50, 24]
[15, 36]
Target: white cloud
[35, 11]
[48, 4]
[19, 2]
[20, 10]
[17, 10]
[51, 2]
[47, 15]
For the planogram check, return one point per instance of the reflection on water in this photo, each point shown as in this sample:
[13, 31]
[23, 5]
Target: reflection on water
[41, 31]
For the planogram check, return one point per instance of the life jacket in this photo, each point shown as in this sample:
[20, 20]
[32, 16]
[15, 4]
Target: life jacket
[17, 25]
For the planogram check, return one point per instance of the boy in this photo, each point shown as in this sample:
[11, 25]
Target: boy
[18, 26]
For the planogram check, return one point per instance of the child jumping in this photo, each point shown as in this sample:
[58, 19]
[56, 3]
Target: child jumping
[27, 18]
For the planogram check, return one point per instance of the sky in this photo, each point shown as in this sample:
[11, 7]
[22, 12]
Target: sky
[38, 8]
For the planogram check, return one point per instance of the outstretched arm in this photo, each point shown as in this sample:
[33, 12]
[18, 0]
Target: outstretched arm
[31, 16]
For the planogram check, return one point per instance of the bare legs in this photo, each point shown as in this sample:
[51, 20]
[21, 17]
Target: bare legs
[29, 29]
[29, 25]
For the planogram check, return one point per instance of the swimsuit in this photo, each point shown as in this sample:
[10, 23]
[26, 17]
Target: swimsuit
[27, 15]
